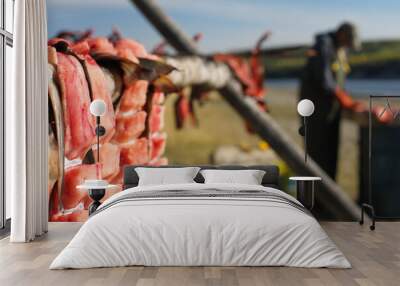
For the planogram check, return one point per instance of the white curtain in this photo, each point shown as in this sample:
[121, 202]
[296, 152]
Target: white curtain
[27, 123]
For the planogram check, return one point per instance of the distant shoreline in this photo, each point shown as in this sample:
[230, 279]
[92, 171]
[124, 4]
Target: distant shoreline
[357, 87]
[390, 70]
[377, 60]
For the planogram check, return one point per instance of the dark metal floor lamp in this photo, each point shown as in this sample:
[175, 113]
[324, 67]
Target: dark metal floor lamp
[369, 206]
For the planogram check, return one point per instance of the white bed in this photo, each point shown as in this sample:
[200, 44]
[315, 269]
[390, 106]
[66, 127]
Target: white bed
[225, 225]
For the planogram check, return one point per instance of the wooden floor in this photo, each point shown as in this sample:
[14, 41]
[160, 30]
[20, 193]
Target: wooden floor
[375, 257]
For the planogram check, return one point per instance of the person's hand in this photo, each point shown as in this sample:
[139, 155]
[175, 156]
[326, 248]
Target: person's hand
[344, 98]
[359, 107]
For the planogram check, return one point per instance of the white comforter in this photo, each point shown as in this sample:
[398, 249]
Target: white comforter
[200, 231]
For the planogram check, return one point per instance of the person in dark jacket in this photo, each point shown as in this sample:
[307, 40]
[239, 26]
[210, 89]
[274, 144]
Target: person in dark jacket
[322, 82]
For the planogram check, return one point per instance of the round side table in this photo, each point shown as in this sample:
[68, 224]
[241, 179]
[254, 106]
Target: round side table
[96, 193]
[305, 190]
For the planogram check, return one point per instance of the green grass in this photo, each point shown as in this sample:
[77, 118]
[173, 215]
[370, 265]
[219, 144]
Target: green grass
[373, 53]
[218, 125]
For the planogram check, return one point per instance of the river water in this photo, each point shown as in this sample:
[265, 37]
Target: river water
[356, 87]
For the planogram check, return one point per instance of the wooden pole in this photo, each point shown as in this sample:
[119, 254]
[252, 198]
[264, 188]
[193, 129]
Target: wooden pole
[331, 198]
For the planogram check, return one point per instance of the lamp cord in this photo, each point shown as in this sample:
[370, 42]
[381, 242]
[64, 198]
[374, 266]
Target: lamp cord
[305, 139]
[98, 138]
[98, 148]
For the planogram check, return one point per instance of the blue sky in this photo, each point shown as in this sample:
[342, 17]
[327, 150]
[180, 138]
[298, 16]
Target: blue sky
[231, 24]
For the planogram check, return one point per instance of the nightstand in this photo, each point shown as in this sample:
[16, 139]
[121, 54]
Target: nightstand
[97, 190]
[305, 190]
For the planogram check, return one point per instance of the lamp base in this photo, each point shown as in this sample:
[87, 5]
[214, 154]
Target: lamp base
[305, 193]
[365, 207]
[96, 195]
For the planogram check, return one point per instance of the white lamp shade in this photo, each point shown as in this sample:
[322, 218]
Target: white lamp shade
[98, 107]
[305, 107]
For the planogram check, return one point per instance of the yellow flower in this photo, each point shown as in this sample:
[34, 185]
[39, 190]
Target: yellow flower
[263, 145]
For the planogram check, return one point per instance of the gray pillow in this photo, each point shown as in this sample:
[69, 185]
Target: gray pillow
[247, 177]
[166, 176]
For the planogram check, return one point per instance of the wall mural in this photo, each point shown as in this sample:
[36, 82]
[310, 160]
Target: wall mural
[133, 84]
[82, 69]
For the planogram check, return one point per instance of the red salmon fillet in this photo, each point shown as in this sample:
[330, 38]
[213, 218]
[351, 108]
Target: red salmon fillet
[156, 120]
[158, 142]
[158, 98]
[109, 159]
[134, 153]
[159, 162]
[134, 47]
[101, 45]
[78, 122]
[82, 81]
[99, 90]
[79, 215]
[134, 96]
[129, 126]
[75, 176]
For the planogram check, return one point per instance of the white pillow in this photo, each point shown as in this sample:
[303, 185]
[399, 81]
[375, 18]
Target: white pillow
[165, 176]
[248, 177]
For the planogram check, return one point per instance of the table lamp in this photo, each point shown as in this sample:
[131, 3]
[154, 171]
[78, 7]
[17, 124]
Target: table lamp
[305, 108]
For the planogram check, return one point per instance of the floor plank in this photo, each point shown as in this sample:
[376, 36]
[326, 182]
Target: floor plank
[375, 257]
